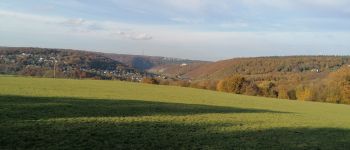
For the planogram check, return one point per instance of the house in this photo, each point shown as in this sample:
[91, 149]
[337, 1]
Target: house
[183, 65]
[315, 70]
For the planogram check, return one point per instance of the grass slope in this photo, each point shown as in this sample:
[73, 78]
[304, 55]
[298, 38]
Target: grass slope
[38, 113]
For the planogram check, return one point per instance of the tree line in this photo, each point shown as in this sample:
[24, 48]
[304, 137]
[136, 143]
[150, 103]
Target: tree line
[332, 87]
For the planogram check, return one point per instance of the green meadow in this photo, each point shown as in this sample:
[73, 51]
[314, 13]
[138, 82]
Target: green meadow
[41, 113]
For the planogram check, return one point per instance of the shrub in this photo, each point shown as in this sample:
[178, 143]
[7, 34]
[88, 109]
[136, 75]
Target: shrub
[149, 81]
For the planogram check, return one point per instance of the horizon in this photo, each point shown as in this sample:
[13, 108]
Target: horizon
[189, 29]
[144, 55]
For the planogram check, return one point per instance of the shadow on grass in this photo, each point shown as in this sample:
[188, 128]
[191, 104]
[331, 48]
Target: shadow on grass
[164, 135]
[29, 123]
[33, 108]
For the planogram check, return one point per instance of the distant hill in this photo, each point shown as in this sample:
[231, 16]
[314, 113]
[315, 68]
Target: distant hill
[71, 63]
[267, 65]
[152, 63]
[77, 64]
[67, 64]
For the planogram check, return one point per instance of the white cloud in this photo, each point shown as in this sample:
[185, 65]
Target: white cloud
[186, 20]
[79, 25]
[134, 36]
[31, 17]
[74, 22]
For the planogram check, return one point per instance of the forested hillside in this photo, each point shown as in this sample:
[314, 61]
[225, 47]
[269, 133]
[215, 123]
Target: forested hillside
[265, 65]
[308, 78]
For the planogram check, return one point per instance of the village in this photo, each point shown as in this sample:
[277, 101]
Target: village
[64, 66]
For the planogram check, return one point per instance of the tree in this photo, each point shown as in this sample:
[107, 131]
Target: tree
[233, 84]
[339, 86]
[268, 89]
[283, 92]
[333, 94]
[345, 90]
[304, 93]
[252, 89]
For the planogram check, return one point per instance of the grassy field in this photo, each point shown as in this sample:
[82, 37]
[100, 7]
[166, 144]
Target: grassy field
[38, 113]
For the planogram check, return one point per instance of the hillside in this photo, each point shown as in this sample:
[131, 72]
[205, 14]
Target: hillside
[64, 64]
[39, 113]
[306, 78]
[74, 63]
[256, 67]
[266, 65]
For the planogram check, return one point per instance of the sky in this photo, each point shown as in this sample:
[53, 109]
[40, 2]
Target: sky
[192, 29]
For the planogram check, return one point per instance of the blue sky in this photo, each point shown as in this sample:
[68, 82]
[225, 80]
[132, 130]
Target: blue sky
[195, 29]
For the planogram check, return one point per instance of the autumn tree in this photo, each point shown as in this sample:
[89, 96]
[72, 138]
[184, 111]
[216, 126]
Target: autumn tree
[283, 92]
[233, 84]
[252, 89]
[339, 86]
[345, 90]
[268, 89]
[303, 93]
